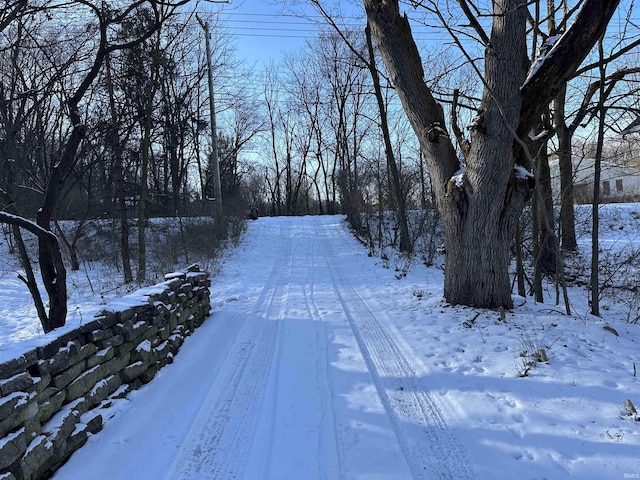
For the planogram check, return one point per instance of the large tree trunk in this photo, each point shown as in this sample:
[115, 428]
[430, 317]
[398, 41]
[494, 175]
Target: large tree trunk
[52, 269]
[481, 205]
[482, 255]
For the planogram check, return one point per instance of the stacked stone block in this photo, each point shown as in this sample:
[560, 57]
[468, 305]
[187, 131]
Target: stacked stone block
[54, 396]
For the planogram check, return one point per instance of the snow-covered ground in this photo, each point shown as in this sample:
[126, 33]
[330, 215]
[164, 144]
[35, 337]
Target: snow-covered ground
[318, 363]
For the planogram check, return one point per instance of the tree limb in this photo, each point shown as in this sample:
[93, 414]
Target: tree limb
[608, 60]
[393, 32]
[473, 21]
[11, 13]
[563, 59]
[28, 225]
[593, 88]
[462, 142]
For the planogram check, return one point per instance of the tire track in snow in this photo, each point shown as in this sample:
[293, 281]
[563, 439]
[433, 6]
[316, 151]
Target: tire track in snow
[325, 457]
[222, 432]
[430, 447]
[329, 415]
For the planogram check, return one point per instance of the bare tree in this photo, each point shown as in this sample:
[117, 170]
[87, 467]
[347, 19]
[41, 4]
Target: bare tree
[595, 245]
[120, 185]
[368, 59]
[271, 100]
[244, 124]
[481, 203]
[53, 273]
[566, 121]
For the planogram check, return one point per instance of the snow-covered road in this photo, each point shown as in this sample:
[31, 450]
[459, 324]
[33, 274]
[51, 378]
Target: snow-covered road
[296, 375]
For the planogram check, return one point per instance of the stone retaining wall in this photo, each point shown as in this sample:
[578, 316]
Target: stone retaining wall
[53, 396]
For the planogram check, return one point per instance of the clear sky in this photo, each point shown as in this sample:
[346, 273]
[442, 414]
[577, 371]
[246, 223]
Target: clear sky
[264, 29]
[261, 30]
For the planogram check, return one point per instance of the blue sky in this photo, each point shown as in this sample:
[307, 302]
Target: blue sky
[263, 29]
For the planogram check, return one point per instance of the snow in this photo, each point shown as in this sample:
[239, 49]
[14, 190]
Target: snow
[317, 362]
[104, 352]
[16, 218]
[545, 51]
[437, 130]
[540, 136]
[144, 346]
[521, 173]
[137, 298]
[99, 385]
[172, 275]
[36, 442]
[23, 398]
[457, 178]
[11, 437]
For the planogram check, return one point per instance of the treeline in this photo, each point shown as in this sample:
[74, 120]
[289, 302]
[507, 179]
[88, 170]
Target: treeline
[119, 87]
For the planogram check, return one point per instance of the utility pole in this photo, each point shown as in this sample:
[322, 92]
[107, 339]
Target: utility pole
[214, 166]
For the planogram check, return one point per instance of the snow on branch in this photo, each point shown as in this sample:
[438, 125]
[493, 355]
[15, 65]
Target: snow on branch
[521, 173]
[544, 52]
[553, 68]
[540, 136]
[457, 178]
[27, 224]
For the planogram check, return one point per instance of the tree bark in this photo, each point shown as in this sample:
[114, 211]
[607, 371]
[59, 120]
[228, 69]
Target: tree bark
[547, 258]
[519, 264]
[30, 281]
[70, 247]
[141, 274]
[565, 164]
[595, 214]
[535, 244]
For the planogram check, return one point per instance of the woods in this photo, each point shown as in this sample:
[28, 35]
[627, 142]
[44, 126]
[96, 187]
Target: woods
[100, 116]
[122, 111]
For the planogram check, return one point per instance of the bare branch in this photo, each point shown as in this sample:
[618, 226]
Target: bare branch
[473, 21]
[592, 89]
[563, 59]
[28, 225]
[611, 58]
[463, 143]
[11, 13]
